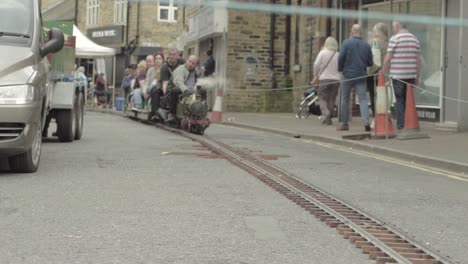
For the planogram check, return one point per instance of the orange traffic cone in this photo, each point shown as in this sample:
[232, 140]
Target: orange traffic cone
[411, 129]
[217, 108]
[383, 121]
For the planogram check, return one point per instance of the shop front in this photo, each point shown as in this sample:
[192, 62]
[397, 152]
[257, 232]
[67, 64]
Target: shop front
[110, 36]
[206, 31]
[431, 38]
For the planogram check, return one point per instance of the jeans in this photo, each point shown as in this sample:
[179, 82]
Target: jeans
[371, 88]
[156, 95]
[400, 100]
[346, 87]
[138, 98]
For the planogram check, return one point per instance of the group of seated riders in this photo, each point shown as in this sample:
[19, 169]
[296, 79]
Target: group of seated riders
[173, 79]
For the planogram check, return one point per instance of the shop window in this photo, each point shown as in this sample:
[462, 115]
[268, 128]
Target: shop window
[167, 11]
[92, 18]
[430, 39]
[120, 12]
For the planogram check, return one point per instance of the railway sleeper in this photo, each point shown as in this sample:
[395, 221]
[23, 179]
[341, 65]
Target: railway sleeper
[378, 230]
[422, 256]
[385, 260]
[361, 244]
[384, 235]
[401, 245]
[369, 249]
[356, 238]
[309, 206]
[425, 261]
[333, 223]
[349, 234]
[393, 240]
[377, 254]
[342, 231]
[413, 250]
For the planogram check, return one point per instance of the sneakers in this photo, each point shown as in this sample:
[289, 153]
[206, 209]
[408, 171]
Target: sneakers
[367, 128]
[327, 121]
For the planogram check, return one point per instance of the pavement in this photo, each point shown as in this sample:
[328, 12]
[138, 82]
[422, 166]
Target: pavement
[443, 150]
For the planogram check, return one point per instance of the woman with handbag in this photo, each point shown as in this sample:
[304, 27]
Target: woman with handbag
[327, 78]
[379, 44]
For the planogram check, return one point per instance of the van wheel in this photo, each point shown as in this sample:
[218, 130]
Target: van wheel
[65, 125]
[28, 162]
[79, 112]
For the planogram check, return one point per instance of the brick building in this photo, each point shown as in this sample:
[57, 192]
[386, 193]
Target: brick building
[257, 51]
[134, 29]
[262, 50]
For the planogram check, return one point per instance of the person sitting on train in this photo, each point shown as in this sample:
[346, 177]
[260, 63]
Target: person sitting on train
[183, 81]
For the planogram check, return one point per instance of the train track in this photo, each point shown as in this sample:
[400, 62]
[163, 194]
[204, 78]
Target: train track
[383, 242]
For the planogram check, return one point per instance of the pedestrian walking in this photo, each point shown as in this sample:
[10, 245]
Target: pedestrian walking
[127, 81]
[403, 65]
[354, 58]
[328, 77]
[81, 78]
[379, 44]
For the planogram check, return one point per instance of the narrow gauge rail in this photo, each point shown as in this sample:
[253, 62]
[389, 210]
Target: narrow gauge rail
[383, 242]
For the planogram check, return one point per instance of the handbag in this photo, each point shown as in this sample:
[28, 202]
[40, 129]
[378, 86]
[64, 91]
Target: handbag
[315, 80]
[376, 58]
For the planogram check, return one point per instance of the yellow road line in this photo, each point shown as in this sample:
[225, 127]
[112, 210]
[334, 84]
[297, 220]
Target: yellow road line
[391, 160]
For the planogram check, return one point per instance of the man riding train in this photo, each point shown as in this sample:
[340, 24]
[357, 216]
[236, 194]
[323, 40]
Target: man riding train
[183, 82]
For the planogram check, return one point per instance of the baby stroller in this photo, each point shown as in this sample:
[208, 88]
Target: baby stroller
[309, 104]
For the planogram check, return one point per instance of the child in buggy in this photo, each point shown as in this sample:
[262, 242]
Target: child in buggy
[309, 104]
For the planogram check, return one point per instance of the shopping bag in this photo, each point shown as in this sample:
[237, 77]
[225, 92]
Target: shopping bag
[376, 58]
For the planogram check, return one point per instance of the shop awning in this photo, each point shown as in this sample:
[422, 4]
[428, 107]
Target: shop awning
[86, 48]
[144, 50]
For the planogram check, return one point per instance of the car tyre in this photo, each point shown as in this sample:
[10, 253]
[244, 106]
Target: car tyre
[79, 112]
[66, 125]
[28, 161]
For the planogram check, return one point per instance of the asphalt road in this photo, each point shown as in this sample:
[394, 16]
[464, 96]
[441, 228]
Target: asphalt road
[430, 207]
[131, 193]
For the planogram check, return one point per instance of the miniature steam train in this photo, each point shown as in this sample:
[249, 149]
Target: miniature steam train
[191, 115]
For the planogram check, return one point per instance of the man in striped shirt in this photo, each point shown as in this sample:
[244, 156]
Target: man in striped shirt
[402, 63]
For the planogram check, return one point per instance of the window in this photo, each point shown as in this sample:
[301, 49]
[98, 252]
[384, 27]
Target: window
[93, 12]
[120, 12]
[167, 11]
[430, 39]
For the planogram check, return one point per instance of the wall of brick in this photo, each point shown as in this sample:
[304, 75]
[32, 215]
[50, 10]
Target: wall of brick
[257, 101]
[248, 59]
[143, 21]
[154, 31]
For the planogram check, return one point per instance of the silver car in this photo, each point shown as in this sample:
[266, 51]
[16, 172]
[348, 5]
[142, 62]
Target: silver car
[24, 95]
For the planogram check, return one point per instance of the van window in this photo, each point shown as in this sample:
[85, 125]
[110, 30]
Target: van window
[16, 20]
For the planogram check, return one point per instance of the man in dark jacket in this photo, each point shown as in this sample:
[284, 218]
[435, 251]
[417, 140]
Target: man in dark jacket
[209, 65]
[355, 56]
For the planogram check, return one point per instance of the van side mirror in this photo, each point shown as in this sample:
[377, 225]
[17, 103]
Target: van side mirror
[55, 43]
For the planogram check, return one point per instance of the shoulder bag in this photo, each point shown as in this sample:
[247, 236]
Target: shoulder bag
[315, 81]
